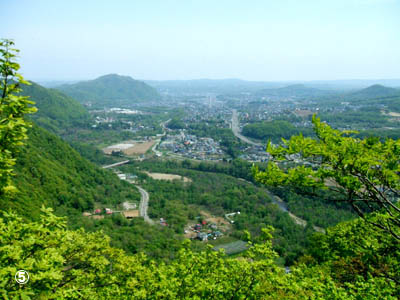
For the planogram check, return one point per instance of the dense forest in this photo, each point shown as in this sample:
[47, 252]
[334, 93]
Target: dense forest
[219, 188]
[274, 130]
[57, 112]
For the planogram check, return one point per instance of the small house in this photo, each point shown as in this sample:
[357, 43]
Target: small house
[202, 236]
[217, 233]
[213, 226]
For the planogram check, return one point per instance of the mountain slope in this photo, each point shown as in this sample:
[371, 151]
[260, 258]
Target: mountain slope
[49, 172]
[56, 112]
[111, 90]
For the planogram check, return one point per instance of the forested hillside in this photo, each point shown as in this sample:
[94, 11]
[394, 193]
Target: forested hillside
[220, 189]
[55, 111]
[111, 90]
[50, 173]
[274, 130]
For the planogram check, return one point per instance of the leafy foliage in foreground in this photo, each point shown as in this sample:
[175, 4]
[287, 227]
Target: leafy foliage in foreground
[355, 252]
[13, 127]
[364, 173]
[66, 264]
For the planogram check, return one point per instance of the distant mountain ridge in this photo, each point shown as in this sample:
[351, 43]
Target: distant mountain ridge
[216, 86]
[376, 91]
[295, 90]
[111, 90]
[235, 86]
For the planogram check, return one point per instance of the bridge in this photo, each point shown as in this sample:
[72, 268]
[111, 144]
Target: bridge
[116, 164]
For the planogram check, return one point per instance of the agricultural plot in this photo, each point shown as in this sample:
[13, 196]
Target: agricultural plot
[164, 176]
[139, 148]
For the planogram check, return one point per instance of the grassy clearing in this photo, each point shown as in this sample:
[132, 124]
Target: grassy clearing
[233, 247]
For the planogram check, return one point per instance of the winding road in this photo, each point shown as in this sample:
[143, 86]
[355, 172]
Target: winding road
[144, 205]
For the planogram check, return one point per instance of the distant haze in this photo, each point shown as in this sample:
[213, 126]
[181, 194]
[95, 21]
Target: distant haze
[165, 39]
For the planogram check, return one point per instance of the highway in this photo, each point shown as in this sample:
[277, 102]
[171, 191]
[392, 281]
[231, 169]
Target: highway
[158, 153]
[144, 205]
[236, 129]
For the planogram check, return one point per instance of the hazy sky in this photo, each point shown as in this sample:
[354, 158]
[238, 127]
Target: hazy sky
[256, 40]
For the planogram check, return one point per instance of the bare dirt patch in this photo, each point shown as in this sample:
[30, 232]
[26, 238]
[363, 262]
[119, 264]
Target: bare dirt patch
[164, 176]
[133, 213]
[394, 114]
[190, 234]
[130, 147]
[117, 147]
[139, 148]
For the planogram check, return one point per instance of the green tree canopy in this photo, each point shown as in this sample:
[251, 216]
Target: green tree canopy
[13, 127]
[363, 172]
[66, 264]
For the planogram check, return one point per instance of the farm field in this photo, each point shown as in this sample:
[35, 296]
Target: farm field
[170, 177]
[232, 247]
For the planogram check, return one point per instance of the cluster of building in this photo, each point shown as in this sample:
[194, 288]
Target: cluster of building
[117, 123]
[204, 231]
[197, 113]
[120, 118]
[190, 146]
[129, 211]
[255, 154]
